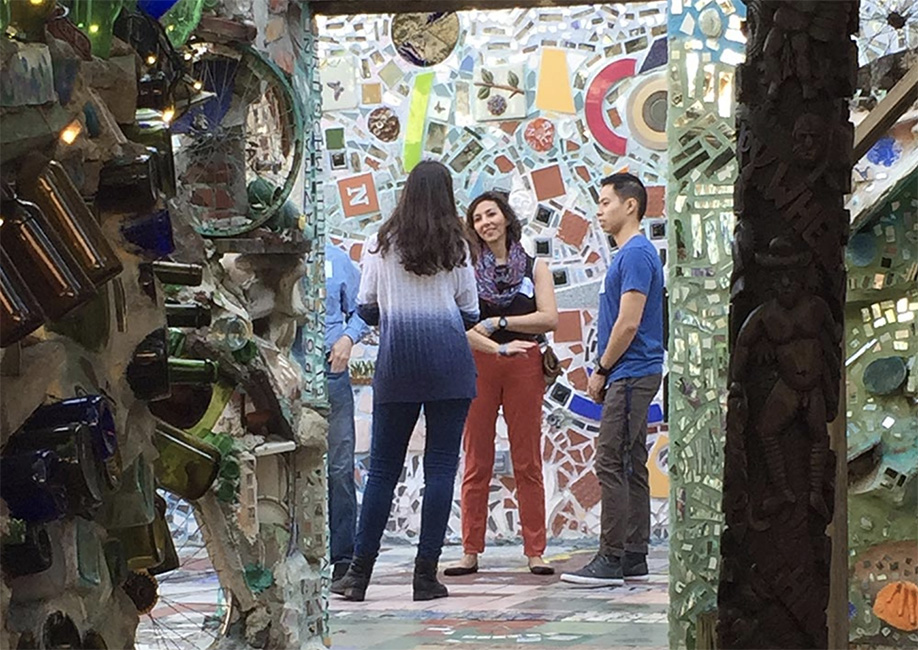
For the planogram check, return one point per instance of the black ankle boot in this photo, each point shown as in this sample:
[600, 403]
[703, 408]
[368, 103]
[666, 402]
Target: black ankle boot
[426, 585]
[353, 586]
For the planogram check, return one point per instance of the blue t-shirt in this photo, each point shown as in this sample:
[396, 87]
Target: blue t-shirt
[637, 267]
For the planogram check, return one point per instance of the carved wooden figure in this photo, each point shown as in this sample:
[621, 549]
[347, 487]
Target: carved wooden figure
[786, 318]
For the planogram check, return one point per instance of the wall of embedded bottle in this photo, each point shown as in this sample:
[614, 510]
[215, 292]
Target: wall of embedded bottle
[132, 375]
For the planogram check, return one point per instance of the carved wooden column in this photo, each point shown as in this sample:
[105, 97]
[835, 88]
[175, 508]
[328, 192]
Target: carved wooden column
[794, 143]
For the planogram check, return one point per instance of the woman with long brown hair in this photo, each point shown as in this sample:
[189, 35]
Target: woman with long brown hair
[418, 285]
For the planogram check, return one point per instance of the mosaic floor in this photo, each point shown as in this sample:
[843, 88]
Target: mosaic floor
[504, 606]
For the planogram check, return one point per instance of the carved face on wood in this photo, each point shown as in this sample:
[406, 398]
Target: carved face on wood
[810, 135]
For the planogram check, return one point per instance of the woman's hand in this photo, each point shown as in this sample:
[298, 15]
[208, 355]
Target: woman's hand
[515, 348]
[487, 327]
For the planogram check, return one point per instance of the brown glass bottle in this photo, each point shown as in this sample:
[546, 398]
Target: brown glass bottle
[20, 313]
[190, 315]
[189, 275]
[55, 278]
[51, 189]
[187, 466]
[128, 184]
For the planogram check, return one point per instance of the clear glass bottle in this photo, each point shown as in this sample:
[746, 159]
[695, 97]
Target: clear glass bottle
[230, 333]
[187, 466]
[55, 278]
[52, 190]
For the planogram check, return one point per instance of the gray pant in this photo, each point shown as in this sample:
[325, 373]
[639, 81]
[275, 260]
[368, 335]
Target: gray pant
[621, 466]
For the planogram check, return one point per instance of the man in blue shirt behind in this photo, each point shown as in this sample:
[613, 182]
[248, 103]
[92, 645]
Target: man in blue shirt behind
[626, 378]
[343, 328]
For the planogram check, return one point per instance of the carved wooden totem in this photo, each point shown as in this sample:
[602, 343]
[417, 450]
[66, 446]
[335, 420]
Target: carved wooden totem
[786, 317]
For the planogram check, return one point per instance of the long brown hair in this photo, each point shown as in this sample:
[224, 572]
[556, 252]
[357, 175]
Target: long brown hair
[425, 225]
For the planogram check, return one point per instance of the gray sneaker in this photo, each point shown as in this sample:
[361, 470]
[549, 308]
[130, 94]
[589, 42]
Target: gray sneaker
[634, 567]
[602, 571]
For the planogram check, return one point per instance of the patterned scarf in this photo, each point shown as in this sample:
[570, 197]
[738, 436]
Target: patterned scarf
[499, 284]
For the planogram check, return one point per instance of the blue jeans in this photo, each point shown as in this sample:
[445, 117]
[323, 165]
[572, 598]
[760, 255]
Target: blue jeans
[342, 491]
[393, 423]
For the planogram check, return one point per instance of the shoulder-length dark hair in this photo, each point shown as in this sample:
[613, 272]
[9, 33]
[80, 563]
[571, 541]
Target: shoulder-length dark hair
[514, 227]
[425, 225]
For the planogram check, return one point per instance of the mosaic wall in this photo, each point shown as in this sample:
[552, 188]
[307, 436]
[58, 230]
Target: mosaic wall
[881, 360]
[705, 46]
[540, 103]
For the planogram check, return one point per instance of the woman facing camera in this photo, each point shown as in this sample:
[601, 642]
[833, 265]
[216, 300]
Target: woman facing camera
[517, 304]
[418, 285]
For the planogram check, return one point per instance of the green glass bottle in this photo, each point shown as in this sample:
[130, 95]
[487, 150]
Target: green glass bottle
[181, 20]
[132, 503]
[187, 466]
[96, 18]
[175, 341]
[192, 371]
[139, 544]
[4, 15]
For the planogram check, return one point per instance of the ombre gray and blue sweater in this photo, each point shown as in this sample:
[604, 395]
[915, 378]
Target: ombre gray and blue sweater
[424, 354]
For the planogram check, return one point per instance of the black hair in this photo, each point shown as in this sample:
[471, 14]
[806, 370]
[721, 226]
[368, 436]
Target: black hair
[514, 227]
[628, 186]
[425, 225]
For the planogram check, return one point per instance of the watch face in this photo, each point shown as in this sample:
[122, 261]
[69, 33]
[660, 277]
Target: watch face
[502, 322]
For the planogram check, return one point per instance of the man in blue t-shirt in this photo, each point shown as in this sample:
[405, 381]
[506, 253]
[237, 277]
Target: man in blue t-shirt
[626, 378]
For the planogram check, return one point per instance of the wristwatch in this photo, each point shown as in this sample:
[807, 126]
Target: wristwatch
[502, 323]
[600, 370]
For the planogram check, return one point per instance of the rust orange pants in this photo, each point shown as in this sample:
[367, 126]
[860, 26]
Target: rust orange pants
[516, 383]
